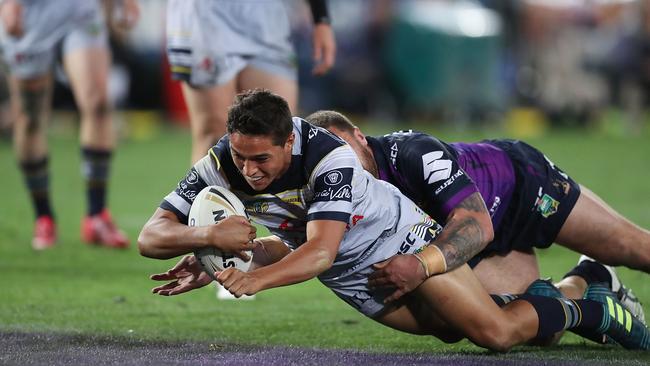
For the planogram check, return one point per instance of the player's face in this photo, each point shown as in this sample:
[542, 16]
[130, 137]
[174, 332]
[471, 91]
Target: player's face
[258, 159]
[357, 142]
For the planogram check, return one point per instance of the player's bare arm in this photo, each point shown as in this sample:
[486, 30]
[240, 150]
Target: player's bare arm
[164, 237]
[324, 44]
[309, 260]
[268, 250]
[467, 232]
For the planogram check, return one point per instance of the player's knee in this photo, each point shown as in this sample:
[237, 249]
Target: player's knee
[96, 107]
[496, 338]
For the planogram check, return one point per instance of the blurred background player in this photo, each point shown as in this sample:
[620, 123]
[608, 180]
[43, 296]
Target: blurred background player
[33, 34]
[221, 47]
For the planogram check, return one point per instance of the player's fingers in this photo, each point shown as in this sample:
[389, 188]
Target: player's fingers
[164, 287]
[381, 265]
[225, 275]
[380, 282]
[181, 265]
[394, 296]
[242, 255]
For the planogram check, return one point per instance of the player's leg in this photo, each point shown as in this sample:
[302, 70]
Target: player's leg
[458, 298]
[510, 273]
[87, 69]
[30, 101]
[208, 108]
[254, 77]
[595, 229]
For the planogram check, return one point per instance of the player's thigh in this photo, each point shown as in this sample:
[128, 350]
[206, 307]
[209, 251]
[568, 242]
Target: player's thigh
[209, 104]
[87, 70]
[415, 317]
[252, 77]
[594, 228]
[460, 300]
[511, 273]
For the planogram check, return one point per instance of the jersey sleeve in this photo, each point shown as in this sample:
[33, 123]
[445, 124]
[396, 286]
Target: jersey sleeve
[204, 173]
[331, 183]
[434, 171]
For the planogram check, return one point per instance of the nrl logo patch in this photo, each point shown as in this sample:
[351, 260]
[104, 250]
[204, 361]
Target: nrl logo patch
[546, 205]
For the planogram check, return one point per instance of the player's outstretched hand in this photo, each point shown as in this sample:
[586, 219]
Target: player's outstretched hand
[235, 235]
[186, 275]
[324, 48]
[404, 273]
[237, 282]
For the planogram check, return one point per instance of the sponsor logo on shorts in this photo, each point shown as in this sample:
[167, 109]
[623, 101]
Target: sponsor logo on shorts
[546, 205]
[495, 205]
[435, 169]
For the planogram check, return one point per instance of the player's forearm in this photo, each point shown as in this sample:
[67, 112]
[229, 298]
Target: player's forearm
[164, 238]
[270, 249]
[467, 232]
[298, 266]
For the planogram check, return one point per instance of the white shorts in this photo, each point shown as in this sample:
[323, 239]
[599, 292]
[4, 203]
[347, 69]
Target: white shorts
[414, 231]
[210, 41]
[52, 29]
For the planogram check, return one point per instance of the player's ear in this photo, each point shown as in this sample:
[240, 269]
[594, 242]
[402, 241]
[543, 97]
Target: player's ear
[359, 136]
[289, 143]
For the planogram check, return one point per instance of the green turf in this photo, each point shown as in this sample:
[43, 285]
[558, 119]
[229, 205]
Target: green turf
[89, 290]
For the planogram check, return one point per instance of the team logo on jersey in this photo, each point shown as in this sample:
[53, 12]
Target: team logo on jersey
[334, 185]
[192, 177]
[546, 205]
[260, 207]
[435, 169]
[333, 178]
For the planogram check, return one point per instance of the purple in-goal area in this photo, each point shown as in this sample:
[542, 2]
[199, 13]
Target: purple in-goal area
[56, 349]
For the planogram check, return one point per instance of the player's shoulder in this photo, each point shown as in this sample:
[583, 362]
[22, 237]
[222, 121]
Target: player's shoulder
[319, 145]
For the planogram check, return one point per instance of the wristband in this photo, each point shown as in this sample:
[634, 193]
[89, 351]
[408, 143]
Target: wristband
[319, 11]
[432, 260]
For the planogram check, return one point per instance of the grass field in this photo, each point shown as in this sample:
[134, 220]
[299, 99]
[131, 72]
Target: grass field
[75, 289]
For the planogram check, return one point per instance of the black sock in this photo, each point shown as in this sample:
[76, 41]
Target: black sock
[37, 180]
[95, 168]
[592, 272]
[560, 314]
[503, 299]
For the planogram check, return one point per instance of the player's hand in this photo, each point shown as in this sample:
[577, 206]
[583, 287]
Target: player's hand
[238, 283]
[324, 48]
[185, 276]
[404, 273]
[11, 14]
[235, 235]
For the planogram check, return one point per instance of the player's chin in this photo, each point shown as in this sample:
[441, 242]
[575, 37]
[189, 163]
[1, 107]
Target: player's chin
[260, 184]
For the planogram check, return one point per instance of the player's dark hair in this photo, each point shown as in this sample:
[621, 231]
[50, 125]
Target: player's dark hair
[259, 112]
[327, 119]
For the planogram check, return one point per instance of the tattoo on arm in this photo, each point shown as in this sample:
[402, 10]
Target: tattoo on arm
[462, 238]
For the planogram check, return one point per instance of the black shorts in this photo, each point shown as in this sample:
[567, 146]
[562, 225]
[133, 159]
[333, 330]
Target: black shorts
[541, 202]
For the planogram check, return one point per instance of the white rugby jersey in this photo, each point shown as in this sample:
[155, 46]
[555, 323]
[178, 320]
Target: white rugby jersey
[325, 181]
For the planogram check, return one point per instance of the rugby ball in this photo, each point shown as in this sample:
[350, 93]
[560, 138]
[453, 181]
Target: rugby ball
[210, 206]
